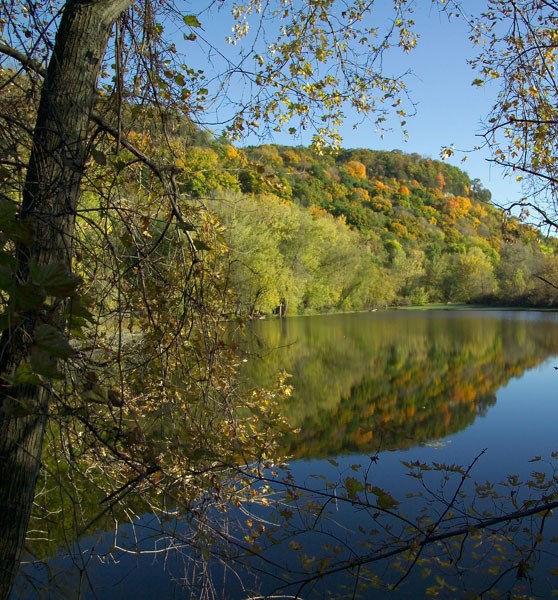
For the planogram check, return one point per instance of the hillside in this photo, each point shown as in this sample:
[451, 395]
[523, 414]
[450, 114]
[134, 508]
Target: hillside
[362, 229]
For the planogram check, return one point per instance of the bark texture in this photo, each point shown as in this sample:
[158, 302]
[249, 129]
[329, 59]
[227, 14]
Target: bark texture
[51, 193]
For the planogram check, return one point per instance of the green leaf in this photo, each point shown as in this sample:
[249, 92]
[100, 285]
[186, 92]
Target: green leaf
[14, 229]
[56, 279]
[8, 211]
[99, 157]
[52, 340]
[28, 296]
[25, 375]
[43, 363]
[201, 245]
[77, 309]
[6, 280]
[385, 499]
[353, 487]
[192, 21]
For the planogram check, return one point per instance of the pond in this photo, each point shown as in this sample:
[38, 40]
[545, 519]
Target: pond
[471, 392]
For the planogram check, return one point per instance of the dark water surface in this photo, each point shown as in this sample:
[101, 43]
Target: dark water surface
[370, 391]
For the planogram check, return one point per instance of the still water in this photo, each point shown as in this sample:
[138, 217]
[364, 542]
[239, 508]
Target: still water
[372, 391]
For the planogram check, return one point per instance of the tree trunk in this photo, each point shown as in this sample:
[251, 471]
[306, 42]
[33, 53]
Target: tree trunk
[55, 170]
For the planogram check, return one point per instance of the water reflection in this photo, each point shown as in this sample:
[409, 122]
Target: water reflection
[364, 382]
[393, 380]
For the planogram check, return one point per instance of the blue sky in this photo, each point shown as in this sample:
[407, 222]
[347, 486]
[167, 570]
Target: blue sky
[450, 109]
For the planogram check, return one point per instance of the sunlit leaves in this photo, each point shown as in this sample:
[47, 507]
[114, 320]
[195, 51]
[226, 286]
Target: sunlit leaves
[519, 50]
[322, 61]
[191, 21]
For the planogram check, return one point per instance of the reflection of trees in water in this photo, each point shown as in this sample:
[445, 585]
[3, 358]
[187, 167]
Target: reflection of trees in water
[394, 380]
[363, 382]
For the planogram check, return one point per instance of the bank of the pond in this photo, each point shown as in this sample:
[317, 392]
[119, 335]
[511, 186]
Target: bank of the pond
[414, 307]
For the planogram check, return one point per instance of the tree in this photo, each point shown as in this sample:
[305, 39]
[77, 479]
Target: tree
[97, 71]
[518, 41]
[471, 277]
[48, 206]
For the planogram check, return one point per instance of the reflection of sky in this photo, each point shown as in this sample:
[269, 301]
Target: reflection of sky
[520, 426]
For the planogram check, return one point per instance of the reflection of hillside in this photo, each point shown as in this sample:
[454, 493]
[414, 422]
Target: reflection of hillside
[393, 380]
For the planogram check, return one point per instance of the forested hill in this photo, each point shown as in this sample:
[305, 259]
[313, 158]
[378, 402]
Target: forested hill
[363, 229]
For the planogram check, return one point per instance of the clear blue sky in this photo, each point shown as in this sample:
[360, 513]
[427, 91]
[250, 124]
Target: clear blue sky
[449, 108]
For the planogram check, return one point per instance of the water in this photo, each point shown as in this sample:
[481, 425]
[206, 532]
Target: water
[373, 390]
[395, 380]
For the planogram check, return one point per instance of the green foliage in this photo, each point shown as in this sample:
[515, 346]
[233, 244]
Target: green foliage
[407, 230]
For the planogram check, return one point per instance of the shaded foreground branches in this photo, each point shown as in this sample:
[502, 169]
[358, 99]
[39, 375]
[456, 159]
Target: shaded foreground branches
[349, 538]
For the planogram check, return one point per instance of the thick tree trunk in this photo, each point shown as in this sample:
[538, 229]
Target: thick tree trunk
[49, 203]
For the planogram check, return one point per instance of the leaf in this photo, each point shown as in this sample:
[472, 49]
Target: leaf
[14, 229]
[8, 211]
[6, 280]
[56, 279]
[201, 245]
[192, 21]
[28, 296]
[99, 157]
[43, 363]
[78, 310]
[25, 375]
[385, 499]
[353, 487]
[52, 340]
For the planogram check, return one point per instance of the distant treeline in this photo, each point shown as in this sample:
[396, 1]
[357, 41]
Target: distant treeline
[363, 229]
